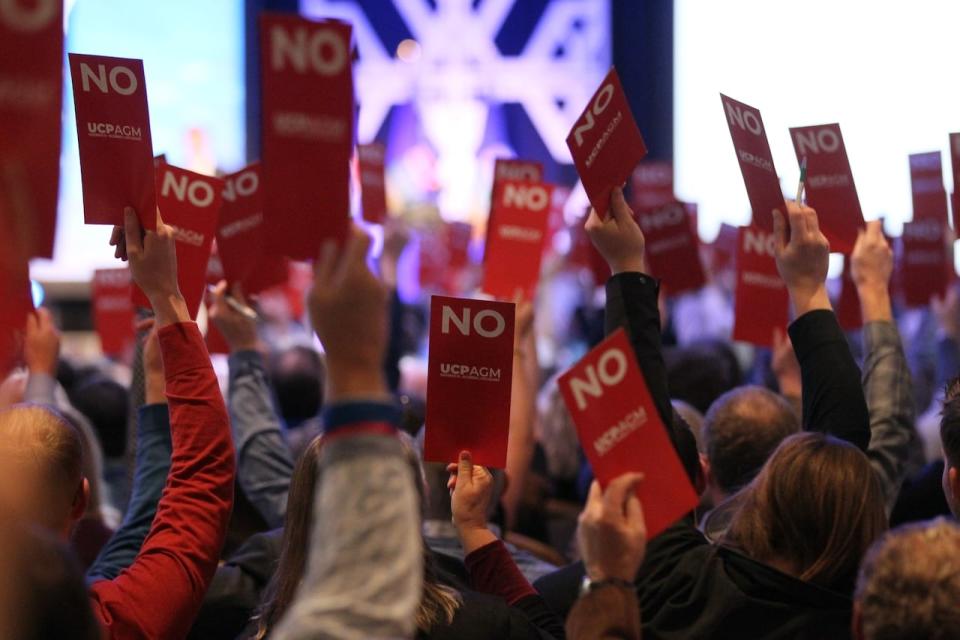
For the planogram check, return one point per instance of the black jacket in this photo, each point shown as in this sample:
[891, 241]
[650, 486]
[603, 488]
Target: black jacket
[687, 587]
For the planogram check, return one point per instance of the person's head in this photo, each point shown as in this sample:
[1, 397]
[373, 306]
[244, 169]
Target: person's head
[701, 372]
[909, 584]
[439, 603]
[42, 591]
[950, 439]
[106, 404]
[740, 431]
[297, 375]
[812, 512]
[46, 453]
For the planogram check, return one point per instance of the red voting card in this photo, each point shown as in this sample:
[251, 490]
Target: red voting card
[373, 185]
[113, 314]
[190, 203]
[620, 430]
[673, 251]
[240, 234]
[307, 132]
[468, 380]
[515, 244]
[848, 304]
[510, 169]
[756, 161]
[651, 185]
[31, 81]
[605, 143]
[926, 185]
[723, 249]
[761, 302]
[18, 303]
[925, 261]
[955, 160]
[113, 133]
[830, 188]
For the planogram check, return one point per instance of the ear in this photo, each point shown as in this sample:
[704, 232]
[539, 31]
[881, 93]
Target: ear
[856, 621]
[707, 473]
[80, 501]
[953, 477]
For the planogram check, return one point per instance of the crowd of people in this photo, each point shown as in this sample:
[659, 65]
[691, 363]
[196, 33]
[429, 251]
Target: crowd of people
[296, 504]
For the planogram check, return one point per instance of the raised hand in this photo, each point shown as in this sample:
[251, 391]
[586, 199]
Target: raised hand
[803, 260]
[612, 534]
[348, 310]
[153, 266]
[395, 240]
[239, 330]
[471, 488]
[618, 238]
[871, 266]
[41, 344]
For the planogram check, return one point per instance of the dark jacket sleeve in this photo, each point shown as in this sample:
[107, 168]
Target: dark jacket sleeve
[632, 304]
[833, 400]
[391, 361]
[150, 476]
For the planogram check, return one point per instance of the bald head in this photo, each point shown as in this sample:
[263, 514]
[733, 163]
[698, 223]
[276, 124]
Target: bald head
[44, 451]
[741, 430]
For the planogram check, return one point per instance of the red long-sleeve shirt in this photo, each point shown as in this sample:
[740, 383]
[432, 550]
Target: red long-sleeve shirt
[159, 595]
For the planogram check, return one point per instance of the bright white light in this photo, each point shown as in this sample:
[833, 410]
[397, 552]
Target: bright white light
[880, 70]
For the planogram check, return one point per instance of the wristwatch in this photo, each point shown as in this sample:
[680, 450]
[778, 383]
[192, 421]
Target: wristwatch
[588, 585]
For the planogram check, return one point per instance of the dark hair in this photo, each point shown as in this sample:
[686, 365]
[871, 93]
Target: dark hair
[49, 598]
[813, 511]
[950, 423]
[297, 376]
[701, 372]
[741, 430]
[106, 404]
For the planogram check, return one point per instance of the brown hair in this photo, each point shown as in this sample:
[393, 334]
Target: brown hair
[438, 604]
[909, 584]
[812, 511]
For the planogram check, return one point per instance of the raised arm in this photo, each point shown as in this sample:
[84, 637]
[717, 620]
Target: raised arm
[159, 595]
[152, 465]
[364, 570]
[833, 399]
[264, 463]
[490, 566]
[886, 375]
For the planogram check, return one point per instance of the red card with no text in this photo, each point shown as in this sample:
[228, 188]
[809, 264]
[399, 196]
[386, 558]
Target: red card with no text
[307, 132]
[673, 248]
[113, 134]
[830, 188]
[190, 203]
[113, 314]
[515, 242]
[31, 81]
[240, 234]
[761, 301]
[756, 161]
[373, 185]
[605, 143]
[620, 430]
[470, 365]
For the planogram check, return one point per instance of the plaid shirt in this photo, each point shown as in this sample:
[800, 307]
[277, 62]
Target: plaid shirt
[888, 388]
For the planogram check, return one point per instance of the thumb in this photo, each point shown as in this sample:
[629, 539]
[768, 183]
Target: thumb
[159, 219]
[132, 230]
[465, 468]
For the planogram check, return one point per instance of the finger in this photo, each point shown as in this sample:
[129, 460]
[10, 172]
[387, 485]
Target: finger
[160, 224]
[323, 268]
[44, 318]
[618, 490]
[237, 292]
[777, 339]
[144, 325]
[593, 221]
[132, 232]
[115, 235]
[355, 255]
[634, 513]
[619, 208]
[220, 294]
[596, 493]
[798, 221]
[465, 467]
[33, 323]
[779, 232]
[875, 231]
